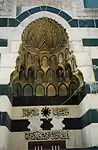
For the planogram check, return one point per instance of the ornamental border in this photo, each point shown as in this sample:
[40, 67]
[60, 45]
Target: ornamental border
[47, 135]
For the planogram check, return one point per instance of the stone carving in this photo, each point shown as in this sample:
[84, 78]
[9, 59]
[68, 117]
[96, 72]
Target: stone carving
[57, 123]
[46, 112]
[44, 58]
[61, 111]
[49, 35]
[7, 8]
[47, 135]
[35, 124]
[30, 112]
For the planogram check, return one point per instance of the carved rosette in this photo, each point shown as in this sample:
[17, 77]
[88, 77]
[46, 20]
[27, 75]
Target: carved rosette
[45, 62]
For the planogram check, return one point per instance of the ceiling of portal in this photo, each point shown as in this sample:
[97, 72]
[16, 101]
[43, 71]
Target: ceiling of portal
[45, 64]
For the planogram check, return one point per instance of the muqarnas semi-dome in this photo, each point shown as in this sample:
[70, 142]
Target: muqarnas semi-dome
[45, 62]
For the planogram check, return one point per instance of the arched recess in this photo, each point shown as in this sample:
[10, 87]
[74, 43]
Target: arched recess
[50, 75]
[22, 73]
[73, 88]
[17, 89]
[40, 75]
[61, 57]
[68, 72]
[27, 90]
[53, 61]
[39, 90]
[62, 90]
[60, 73]
[36, 61]
[44, 63]
[76, 80]
[51, 90]
[29, 57]
[30, 74]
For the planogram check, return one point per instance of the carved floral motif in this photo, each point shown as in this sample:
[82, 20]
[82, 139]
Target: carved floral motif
[47, 135]
[30, 112]
[57, 111]
[62, 111]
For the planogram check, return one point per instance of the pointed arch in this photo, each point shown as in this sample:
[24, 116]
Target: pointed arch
[27, 90]
[39, 90]
[62, 90]
[73, 87]
[36, 60]
[17, 89]
[51, 90]
[40, 75]
[60, 57]
[44, 61]
[50, 75]
[60, 73]
[53, 61]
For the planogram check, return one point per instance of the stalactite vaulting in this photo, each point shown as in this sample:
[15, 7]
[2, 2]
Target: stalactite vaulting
[45, 62]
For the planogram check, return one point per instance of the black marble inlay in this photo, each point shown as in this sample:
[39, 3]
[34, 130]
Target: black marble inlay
[91, 116]
[5, 120]
[3, 89]
[96, 75]
[43, 8]
[13, 22]
[72, 123]
[52, 9]
[86, 23]
[22, 16]
[34, 10]
[19, 125]
[95, 61]
[65, 16]
[44, 100]
[73, 23]
[46, 125]
[3, 42]
[96, 23]
[90, 42]
[3, 22]
[86, 119]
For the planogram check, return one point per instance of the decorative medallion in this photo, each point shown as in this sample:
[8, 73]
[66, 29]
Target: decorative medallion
[46, 111]
[47, 135]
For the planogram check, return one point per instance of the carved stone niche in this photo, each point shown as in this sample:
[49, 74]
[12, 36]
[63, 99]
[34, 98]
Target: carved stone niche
[45, 58]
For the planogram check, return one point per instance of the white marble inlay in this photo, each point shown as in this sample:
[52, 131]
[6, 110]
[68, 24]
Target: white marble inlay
[57, 123]
[34, 124]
